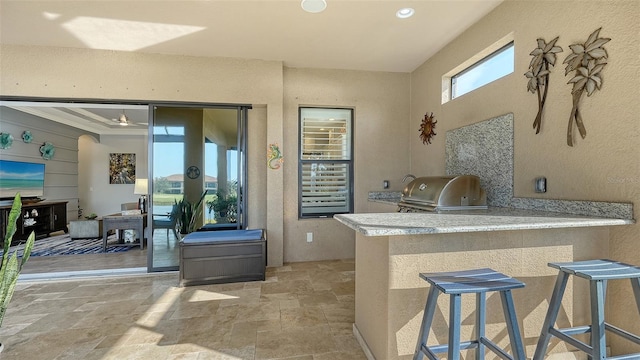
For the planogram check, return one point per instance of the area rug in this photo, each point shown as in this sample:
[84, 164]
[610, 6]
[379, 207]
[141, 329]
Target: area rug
[63, 245]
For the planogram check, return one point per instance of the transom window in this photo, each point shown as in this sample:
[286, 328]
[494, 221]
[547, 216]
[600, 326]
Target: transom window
[488, 65]
[487, 70]
[325, 180]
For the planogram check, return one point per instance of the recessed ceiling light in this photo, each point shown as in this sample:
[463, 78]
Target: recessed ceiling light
[313, 6]
[405, 13]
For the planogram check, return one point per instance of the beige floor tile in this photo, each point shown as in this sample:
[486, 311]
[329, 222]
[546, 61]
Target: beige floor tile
[304, 311]
[302, 317]
[318, 298]
[294, 287]
[294, 342]
[340, 355]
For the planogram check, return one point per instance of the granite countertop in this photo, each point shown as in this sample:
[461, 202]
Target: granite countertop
[492, 219]
[385, 197]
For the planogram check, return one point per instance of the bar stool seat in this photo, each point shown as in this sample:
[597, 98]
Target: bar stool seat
[598, 272]
[479, 281]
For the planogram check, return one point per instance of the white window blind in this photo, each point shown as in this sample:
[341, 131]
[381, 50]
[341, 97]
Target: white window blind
[325, 161]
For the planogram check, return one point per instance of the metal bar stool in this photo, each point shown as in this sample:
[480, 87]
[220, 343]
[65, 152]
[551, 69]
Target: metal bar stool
[597, 272]
[455, 284]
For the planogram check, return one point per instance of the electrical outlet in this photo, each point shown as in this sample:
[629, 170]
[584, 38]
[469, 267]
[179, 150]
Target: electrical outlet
[309, 237]
[540, 185]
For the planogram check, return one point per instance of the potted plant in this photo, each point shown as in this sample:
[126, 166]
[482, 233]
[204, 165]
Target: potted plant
[188, 214]
[11, 265]
[224, 206]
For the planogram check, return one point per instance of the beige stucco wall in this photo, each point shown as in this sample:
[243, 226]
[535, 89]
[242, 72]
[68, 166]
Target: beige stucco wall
[604, 166]
[381, 103]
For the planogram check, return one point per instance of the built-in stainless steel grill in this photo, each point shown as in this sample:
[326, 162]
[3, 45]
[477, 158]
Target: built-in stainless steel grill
[433, 193]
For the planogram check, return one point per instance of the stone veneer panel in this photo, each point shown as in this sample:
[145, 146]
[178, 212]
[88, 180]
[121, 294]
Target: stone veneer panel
[484, 149]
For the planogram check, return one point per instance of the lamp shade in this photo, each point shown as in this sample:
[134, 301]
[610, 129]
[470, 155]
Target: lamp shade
[141, 187]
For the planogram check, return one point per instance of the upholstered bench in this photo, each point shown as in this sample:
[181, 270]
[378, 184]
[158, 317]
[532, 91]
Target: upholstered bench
[214, 257]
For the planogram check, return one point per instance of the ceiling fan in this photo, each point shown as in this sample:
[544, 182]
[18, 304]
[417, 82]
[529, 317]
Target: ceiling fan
[123, 120]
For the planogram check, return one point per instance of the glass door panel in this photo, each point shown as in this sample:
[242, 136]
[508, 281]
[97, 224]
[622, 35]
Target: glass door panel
[198, 172]
[168, 189]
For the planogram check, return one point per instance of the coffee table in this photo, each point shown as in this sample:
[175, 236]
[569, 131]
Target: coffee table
[119, 222]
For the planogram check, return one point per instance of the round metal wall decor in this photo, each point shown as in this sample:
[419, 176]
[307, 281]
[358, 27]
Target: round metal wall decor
[193, 172]
[427, 127]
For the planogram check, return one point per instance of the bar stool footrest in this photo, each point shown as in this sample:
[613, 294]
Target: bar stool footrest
[465, 345]
[560, 334]
[623, 333]
[635, 356]
[497, 350]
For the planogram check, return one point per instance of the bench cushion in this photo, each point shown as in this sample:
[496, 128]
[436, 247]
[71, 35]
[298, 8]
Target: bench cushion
[207, 237]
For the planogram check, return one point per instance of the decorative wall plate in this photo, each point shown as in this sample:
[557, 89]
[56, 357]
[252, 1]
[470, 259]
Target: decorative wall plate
[427, 127]
[26, 136]
[193, 172]
[6, 140]
[47, 150]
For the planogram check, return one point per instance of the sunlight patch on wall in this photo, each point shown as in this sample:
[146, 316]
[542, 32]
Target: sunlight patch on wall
[50, 16]
[124, 35]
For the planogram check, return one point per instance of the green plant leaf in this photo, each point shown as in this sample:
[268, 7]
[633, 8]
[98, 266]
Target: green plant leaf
[10, 268]
[14, 214]
[27, 249]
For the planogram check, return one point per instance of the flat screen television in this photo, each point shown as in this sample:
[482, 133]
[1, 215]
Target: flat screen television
[24, 177]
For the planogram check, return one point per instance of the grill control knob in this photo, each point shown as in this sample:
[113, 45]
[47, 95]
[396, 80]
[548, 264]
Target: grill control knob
[422, 187]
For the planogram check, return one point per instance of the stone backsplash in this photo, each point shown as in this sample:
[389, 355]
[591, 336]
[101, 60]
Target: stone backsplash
[485, 149]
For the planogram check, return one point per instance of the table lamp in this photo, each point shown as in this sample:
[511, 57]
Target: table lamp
[141, 188]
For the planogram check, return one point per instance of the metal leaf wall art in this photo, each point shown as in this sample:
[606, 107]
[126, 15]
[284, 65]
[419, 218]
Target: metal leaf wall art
[586, 61]
[544, 57]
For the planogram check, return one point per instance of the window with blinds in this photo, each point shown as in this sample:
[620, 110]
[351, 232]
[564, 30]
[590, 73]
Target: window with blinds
[326, 167]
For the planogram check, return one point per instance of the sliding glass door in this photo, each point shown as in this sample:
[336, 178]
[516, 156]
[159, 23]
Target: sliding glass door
[198, 172]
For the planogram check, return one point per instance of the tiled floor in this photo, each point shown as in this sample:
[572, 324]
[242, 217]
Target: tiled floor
[303, 311]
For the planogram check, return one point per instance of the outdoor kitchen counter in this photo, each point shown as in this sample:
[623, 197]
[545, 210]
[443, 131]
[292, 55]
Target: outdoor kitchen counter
[492, 219]
[392, 249]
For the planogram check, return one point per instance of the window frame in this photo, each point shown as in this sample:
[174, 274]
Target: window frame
[475, 65]
[495, 46]
[349, 162]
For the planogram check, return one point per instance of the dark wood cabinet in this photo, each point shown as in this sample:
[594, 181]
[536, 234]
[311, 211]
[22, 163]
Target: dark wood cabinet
[43, 218]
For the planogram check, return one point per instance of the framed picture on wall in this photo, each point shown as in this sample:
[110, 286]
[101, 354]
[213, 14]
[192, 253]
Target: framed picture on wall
[122, 168]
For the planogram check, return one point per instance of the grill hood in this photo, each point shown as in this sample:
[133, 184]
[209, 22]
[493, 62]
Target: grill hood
[433, 193]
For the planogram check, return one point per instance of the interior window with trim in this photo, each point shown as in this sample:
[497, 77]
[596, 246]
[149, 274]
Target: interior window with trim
[325, 169]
